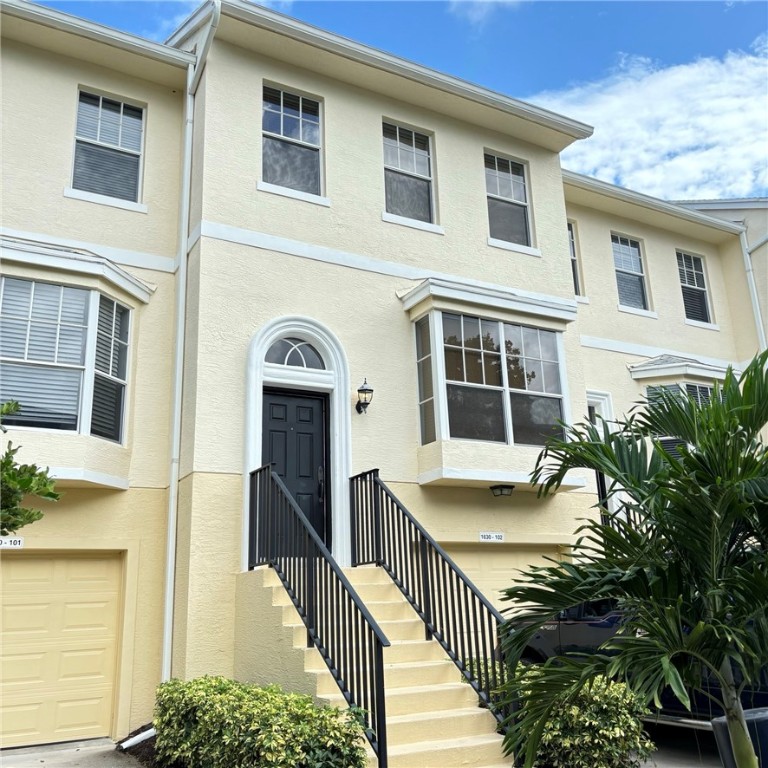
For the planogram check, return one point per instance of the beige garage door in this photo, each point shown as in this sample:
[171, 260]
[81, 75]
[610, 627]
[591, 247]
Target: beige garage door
[493, 567]
[60, 620]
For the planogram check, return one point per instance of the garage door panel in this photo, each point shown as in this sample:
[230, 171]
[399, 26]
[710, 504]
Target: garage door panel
[59, 647]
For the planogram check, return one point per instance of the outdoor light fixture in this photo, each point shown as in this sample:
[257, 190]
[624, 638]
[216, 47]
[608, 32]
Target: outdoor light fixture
[502, 490]
[364, 396]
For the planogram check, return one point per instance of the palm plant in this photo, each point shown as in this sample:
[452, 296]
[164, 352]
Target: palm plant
[684, 554]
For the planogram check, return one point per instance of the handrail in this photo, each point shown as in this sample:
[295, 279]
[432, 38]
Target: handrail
[338, 623]
[453, 609]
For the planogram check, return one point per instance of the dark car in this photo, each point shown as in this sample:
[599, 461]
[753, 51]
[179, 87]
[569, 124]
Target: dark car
[585, 627]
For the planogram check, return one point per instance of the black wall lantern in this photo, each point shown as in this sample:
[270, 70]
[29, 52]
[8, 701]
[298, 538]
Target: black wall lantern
[364, 396]
[502, 490]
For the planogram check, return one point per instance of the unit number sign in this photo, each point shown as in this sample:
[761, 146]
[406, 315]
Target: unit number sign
[491, 536]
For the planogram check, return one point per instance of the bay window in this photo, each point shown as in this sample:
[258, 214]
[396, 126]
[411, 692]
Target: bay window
[63, 357]
[500, 381]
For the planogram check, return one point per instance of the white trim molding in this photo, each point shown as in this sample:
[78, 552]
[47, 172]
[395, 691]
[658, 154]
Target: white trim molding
[112, 202]
[295, 194]
[404, 221]
[335, 382]
[76, 476]
[122, 256]
[527, 250]
[479, 478]
[79, 262]
[678, 368]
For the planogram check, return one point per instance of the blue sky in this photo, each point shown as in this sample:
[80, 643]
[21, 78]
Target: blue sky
[677, 91]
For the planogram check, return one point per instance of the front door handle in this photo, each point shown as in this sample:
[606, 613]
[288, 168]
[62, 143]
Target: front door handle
[321, 482]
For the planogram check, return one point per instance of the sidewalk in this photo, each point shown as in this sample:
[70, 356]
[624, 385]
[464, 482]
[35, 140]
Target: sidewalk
[94, 753]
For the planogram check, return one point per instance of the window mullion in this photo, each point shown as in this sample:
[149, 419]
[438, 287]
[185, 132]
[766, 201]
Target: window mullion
[506, 404]
[439, 383]
[86, 391]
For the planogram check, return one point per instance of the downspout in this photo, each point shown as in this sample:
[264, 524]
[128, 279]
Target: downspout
[746, 252]
[193, 80]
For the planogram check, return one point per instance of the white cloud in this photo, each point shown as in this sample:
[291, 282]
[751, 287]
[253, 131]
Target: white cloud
[696, 130]
[477, 12]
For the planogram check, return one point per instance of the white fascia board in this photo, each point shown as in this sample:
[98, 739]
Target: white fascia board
[508, 299]
[646, 201]
[74, 25]
[678, 371]
[736, 204]
[478, 478]
[78, 476]
[51, 257]
[195, 21]
[281, 24]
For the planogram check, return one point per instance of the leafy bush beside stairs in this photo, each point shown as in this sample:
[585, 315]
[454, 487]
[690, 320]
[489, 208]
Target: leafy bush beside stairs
[214, 722]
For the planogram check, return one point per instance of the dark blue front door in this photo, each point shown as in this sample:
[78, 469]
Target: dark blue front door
[295, 442]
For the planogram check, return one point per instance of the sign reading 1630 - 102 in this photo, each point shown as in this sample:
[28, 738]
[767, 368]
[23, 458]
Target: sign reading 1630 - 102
[11, 542]
[491, 536]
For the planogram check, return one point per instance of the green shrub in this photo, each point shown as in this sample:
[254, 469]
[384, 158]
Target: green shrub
[598, 728]
[213, 722]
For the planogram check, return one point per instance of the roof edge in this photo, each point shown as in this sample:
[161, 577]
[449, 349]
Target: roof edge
[28, 11]
[646, 201]
[298, 30]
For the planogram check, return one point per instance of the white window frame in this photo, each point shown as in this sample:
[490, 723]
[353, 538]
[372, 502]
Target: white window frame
[525, 205]
[94, 197]
[432, 224]
[573, 246]
[279, 189]
[88, 367]
[679, 253]
[630, 241]
[440, 382]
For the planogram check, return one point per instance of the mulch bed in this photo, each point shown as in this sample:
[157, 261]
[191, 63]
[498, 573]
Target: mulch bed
[144, 752]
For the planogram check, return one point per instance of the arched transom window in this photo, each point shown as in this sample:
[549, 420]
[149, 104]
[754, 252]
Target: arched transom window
[295, 352]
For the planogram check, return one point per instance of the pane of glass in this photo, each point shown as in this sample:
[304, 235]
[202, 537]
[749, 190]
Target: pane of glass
[13, 338]
[491, 182]
[423, 345]
[551, 378]
[107, 412]
[270, 121]
[310, 132]
[452, 329]
[518, 190]
[534, 418]
[421, 142]
[631, 290]
[390, 133]
[291, 105]
[105, 171]
[454, 364]
[505, 185]
[130, 138]
[42, 342]
[471, 332]
[310, 110]
[492, 366]
[74, 306]
[295, 358]
[390, 154]
[405, 137]
[695, 303]
[291, 127]
[109, 130]
[534, 376]
[71, 345]
[508, 222]
[422, 165]
[531, 347]
[425, 379]
[121, 323]
[312, 357]
[49, 396]
[475, 413]
[45, 302]
[278, 351]
[515, 372]
[103, 353]
[502, 165]
[474, 367]
[513, 339]
[271, 99]
[119, 360]
[407, 160]
[17, 295]
[88, 116]
[491, 336]
[408, 196]
[427, 414]
[292, 166]
[548, 345]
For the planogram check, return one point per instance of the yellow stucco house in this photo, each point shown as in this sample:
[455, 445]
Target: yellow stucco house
[208, 247]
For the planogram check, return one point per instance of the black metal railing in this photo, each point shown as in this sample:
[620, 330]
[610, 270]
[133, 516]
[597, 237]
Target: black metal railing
[338, 624]
[454, 611]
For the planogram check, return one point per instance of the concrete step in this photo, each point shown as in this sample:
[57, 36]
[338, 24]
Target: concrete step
[469, 751]
[429, 698]
[446, 724]
[406, 674]
[388, 610]
[413, 650]
[403, 629]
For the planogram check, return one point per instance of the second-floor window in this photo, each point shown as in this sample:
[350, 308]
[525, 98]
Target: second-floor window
[63, 357]
[691, 270]
[507, 200]
[108, 147]
[407, 173]
[630, 277]
[291, 141]
[574, 259]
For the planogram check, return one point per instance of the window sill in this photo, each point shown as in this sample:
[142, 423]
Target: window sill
[112, 202]
[413, 223]
[639, 312]
[581, 299]
[514, 247]
[295, 194]
[705, 326]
